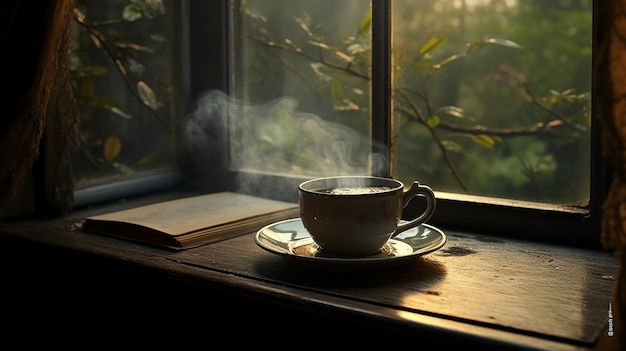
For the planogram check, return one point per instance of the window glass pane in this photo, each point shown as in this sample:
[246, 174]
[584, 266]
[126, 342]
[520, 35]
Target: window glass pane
[492, 97]
[301, 81]
[121, 74]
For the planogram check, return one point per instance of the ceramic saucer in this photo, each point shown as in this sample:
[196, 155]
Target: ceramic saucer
[290, 239]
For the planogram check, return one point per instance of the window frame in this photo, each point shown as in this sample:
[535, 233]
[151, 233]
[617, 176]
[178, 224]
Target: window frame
[205, 67]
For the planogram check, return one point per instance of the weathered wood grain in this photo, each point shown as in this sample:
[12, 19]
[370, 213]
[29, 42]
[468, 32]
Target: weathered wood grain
[476, 284]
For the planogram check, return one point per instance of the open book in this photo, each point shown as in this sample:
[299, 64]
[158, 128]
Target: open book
[192, 221]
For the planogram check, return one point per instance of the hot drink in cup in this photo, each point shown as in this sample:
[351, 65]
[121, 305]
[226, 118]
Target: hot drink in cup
[357, 215]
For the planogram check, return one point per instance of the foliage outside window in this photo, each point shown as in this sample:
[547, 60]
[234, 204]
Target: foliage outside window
[490, 98]
[121, 73]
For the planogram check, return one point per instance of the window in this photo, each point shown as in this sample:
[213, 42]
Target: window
[487, 101]
[125, 82]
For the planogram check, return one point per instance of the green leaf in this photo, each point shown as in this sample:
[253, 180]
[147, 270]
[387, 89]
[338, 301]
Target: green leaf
[505, 42]
[159, 37]
[494, 41]
[317, 68]
[135, 66]
[344, 57]
[433, 121]
[452, 146]
[118, 112]
[149, 158]
[304, 23]
[112, 148]
[150, 8]
[290, 43]
[336, 92]
[348, 105]
[433, 44]
[320, 45]
[124, 169]
[101, 103]
[365, 24]
[359, 48]
[96, 70]
[74, 61]
[484, 140]
[147, 95]
[131, 13]
[453, 111]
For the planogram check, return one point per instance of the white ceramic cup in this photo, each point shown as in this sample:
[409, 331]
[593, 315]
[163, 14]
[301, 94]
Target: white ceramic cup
[357, 215]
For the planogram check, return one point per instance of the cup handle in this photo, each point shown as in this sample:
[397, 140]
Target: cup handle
[425, 191]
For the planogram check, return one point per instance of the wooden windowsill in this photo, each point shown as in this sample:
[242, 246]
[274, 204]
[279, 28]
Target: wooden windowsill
[477, 289]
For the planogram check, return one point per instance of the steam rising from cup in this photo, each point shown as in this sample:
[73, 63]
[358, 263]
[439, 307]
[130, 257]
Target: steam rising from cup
[275, 138]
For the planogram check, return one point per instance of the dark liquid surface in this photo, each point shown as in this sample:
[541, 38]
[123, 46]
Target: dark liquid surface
[357, 190]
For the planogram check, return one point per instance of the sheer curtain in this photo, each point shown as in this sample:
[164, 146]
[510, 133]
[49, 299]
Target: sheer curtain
[39, 114]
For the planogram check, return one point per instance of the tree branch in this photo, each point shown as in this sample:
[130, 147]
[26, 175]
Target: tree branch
[116, 61]
[320, 59]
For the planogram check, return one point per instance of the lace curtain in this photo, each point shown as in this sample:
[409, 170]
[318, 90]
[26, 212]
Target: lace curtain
[39, 113]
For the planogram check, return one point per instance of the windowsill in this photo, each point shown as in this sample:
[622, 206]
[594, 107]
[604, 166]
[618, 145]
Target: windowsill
[476, 290]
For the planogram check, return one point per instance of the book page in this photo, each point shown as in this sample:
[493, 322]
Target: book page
[194, 213]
